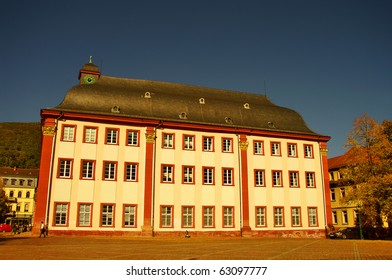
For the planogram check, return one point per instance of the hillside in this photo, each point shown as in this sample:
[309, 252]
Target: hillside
[20, 145]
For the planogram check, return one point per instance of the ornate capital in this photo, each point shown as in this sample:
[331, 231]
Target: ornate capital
[244, 145]
[150, 137]
[324, 152]
[48, 130]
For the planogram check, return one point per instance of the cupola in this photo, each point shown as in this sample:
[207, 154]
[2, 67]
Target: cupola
[89, 74]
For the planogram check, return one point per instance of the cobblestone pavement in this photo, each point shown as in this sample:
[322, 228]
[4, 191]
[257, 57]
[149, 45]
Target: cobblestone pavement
[26, 247]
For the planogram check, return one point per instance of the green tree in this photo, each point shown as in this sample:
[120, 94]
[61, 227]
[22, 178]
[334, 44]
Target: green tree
[369, 170]
[3, 200]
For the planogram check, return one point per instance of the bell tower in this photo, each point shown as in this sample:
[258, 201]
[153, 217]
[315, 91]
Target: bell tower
[89, 74]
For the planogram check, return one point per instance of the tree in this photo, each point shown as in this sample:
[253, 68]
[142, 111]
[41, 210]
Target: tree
[369, 170]
[3, 200]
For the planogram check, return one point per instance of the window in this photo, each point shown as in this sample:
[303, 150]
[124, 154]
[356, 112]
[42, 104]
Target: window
[166, 216]
[27, 194]
[292, 149]
[258, 147]
[19, 194]
[167, 173]
[334, 217]
[132, 137]
[227, 176]
[68, 133]
[129, 216]
[61, 215]
[84, 218]
[107, 215]
[227, 145]
[294, 179]
[11, 194]
[13, 182]
[168, 141]
[208, 144]
[189, 142]
[228, 216]
[312, 212]
[260, 217]
[259, 178]
[26, 207]
[131, 171]
[295, 216]
[188, 173]
[110, 171]
[278, 217]
[187, 216]
[21, 182]
[208, 175]
[342, 192]
[18, 207]
[344, 217]
[333, 195]
[88, 169]
[65, 168]
[308, 151]
[90, 135]
[277, 178]
[112, 136]
[275, 148]
[29, 182]
[208, 216]
[310, 182]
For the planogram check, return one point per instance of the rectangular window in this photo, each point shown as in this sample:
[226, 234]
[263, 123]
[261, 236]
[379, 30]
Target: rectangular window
[294, 179]
[227, 176]
[344, 217]
[259, 178]
[90, 135]
[132, 137]
[258, 147]
[333, 195]
[110, 171]
[208, 216]
[308, 149]
[166, 216]
[227, 145]
[342, 192]
[167, 174]
[278, 217]
[129, 216]
[295, 216]
[292, 149]
[260, 217]
[68, 133]
[188, 216]
[208, 175]
[310, 182]
[277, 178]
[168, 141]
[189, 142]
[312, 213]
[107, 215]
[26, 207]
[208, 144]
[275, 148]
[87, 169]
[65, 168]
[228, 216]
[131, 172]
[84, 218]
[334, 217]
[61, 216]
[112, 136]
[188, 174]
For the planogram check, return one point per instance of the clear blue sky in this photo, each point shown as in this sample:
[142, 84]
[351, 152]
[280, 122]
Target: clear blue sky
[329, 60]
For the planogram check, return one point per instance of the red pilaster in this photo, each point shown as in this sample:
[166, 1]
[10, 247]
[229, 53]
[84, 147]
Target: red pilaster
[48, 131]
[148, 185]
[327, 192]
[244, 183]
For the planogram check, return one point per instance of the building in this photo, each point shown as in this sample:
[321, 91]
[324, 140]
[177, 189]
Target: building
[19, 186]
[136, 157]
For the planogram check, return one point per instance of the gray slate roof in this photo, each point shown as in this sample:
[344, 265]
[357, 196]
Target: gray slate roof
[181, 103]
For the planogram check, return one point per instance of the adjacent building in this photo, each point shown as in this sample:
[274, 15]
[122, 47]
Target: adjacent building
[136, 157]
[20, 187]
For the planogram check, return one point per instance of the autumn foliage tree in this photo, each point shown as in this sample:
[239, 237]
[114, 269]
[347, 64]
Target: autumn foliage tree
[369, 170]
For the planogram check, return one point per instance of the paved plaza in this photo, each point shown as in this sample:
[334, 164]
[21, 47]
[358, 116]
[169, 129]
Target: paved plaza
[26, 247]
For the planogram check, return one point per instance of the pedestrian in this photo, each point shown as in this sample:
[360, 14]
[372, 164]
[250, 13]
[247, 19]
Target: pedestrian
[42, 230]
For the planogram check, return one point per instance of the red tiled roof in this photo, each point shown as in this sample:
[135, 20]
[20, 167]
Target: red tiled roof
[336, 162]
[18, 172]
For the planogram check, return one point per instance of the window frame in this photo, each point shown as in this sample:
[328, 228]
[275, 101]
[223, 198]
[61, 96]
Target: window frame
[90, 214]
[56, 203]
[207, 215]
[280, 178]
[64, 138]
[171, 216]
[306, 151]
[290, 179]
[117, 130]
[186, 144]
[264, 225]
[316, 224]
[230, 177]
[170, 174]
[105, 162]
[128, 132]
[307, 180]
[113, 215]
[164, 146]
[82, 162]
[273, 150]
[192, 216]
[289, 150]
[256, 171]
[255, 142]
[60, 174]
[125, 205]
[85, 128]
[212, 144]
[228, 217]
[282, 216]
[230, 148]
[298, 216]
[204, 168]
[136, 165]
[191, 167]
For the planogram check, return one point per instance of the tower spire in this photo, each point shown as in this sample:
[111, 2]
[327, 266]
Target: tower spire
[91, 59]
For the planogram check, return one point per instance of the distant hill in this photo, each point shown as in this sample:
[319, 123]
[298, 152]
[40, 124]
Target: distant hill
[20, 145]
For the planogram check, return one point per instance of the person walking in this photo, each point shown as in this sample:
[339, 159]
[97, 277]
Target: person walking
[42, 230]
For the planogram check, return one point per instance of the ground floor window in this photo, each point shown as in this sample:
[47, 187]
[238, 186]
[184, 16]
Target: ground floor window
[187, 216]
[166, 216]
[107, 215]
[129, 216]
[208, 216]
[84, 218]
[228, 216]
[61, 215]
[260, 217]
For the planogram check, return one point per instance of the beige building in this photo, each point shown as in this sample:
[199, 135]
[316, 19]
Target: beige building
[135, 157]
[19, 186]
